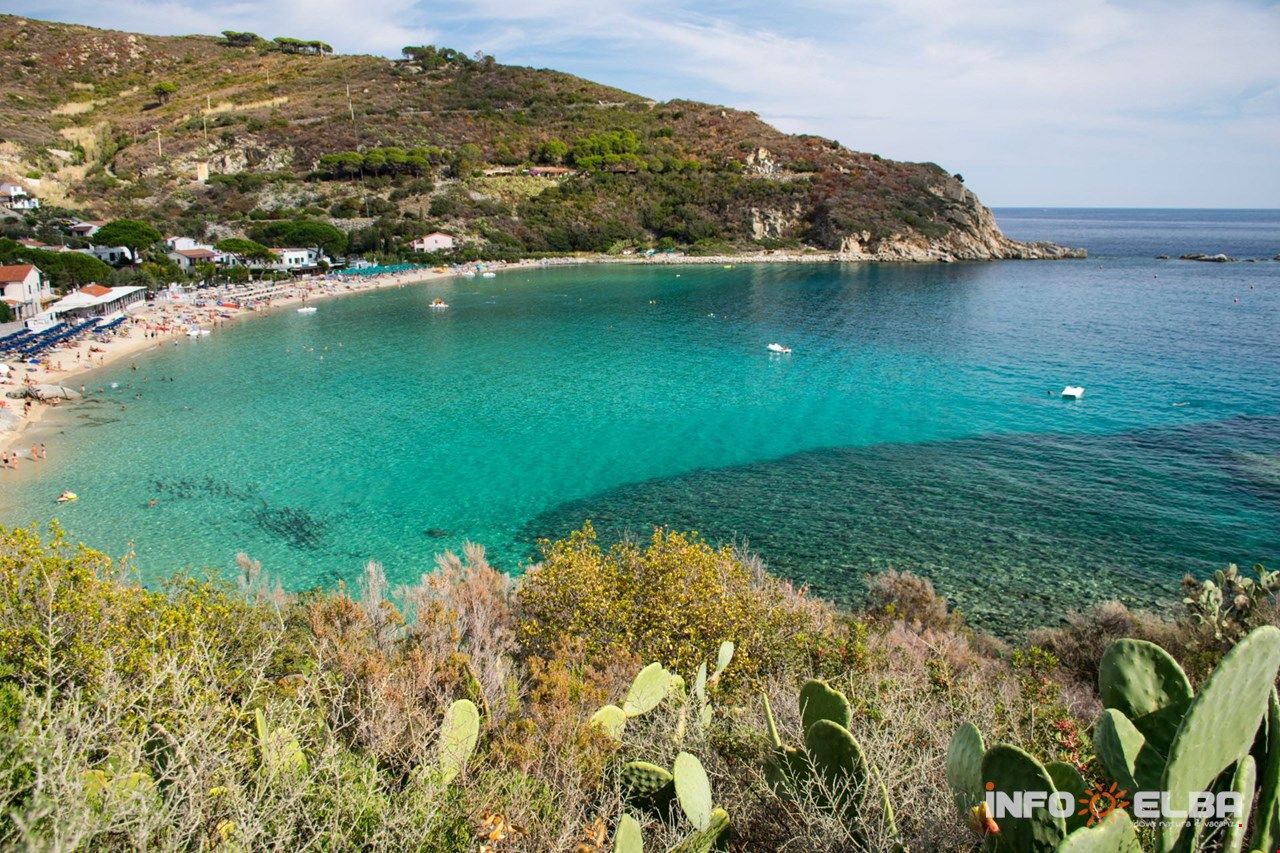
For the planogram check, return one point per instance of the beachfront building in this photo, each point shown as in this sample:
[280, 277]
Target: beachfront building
[24, 288]
[293, 260]
[186, 259]
[436, 241]
[94, 300]
[15, 197]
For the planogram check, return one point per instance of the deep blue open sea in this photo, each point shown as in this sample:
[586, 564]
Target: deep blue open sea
[917, 423]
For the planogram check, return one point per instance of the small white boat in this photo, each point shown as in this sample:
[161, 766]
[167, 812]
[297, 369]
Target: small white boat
[439, 304]
[307, 309]
[197, 333]
[1074, 392]
[779, 348]
[468, 274]
[489, 275]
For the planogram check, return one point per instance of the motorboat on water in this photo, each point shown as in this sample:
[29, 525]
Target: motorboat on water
[439, 304]
[194, 332]
[1073, 392]
[779, 348]
[489, 275]
[307, 309]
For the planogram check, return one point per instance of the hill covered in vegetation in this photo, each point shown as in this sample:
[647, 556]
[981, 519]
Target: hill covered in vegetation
[209, 135]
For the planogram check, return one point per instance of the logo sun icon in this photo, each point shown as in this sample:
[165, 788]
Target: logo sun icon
[1102, 800]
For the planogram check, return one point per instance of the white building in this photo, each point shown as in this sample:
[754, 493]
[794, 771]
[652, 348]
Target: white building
[15, 197]
[188, 258]
[436, 241]
[114, 255]
[94, 300]
[24, 289]
[292, 260]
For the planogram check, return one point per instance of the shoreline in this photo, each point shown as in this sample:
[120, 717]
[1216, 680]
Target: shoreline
[162, 323]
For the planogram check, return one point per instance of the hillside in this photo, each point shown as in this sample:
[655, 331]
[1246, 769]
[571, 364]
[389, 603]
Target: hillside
[116, 124]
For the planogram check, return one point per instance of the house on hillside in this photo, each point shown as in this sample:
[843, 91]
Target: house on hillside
[85, 227]
[95, 300]
[115, 255]
[28, 243]
[24, 288]
[174, 243]
[436, 241]
[549, 171]
[15, 197]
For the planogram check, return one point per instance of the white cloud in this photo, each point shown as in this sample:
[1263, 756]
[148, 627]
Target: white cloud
[1036, 101]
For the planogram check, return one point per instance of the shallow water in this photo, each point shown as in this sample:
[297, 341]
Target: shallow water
[916, 423]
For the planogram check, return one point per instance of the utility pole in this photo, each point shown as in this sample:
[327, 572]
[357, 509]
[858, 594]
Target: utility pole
[351, 106]
[159, 147]
[208, 108]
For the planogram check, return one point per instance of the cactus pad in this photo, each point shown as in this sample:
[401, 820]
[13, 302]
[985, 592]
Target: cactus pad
[1266, 833]
[818, 701]
[693, 790]
[627, 838]
[837, 755]
[1115, 834]
[1014, 771]
[647, 785]
[1243, 783]
[1067, 778]
[649, 688]
[964, 767]
[611, 720]
[1125, 753]
[723, 658]
[458, 735]
[1220, 724]
[706, 840]
[1144, 683]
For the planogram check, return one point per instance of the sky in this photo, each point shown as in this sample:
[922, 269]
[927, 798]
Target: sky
[1164, 103]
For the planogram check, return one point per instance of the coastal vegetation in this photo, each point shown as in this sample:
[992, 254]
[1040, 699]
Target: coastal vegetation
[662, 689]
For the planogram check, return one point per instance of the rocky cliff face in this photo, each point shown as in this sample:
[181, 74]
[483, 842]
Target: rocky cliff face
[973, 236]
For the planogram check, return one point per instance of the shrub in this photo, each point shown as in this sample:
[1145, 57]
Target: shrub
[673, 600]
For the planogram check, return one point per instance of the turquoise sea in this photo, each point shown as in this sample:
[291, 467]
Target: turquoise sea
[916, 424]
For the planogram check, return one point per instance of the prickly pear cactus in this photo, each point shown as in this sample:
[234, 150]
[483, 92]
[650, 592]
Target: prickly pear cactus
[1012, 770]
[1266, 834]
[647, 785]
[1141, 681]
[693, 790]
[458, 735]
[838, 757]
[1114, 834]
[1125, 753]
[1243, 783]
[278, 750]
[964, 767]
[1219, 726]
[611, 720]
[818, 701]
[627, 838]
[1067, 778]
[708, 839]
[649, 688]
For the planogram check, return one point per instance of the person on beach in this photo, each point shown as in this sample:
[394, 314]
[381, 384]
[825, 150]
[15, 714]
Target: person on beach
[44, 453]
